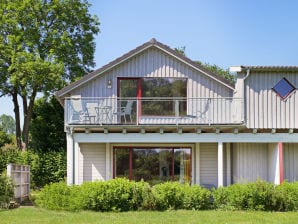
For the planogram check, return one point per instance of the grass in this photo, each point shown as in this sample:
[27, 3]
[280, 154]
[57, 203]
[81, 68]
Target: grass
[33, 215]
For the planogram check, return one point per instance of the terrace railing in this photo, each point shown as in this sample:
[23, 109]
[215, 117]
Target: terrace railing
[153, 111]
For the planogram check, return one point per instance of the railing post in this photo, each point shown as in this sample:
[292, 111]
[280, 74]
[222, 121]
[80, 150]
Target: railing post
[176, 108]
[9, 169]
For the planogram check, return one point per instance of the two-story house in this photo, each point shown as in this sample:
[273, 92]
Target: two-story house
[155, 115]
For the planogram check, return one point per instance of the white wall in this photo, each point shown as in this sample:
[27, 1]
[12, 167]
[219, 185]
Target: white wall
[264, 108]
[250, 162]
[92, 162]
[290, 160]
[208, 164]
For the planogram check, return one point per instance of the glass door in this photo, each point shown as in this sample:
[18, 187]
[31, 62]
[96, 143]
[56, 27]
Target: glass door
[129, 95]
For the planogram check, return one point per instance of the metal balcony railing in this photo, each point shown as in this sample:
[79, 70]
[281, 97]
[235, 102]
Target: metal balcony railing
[153, 111]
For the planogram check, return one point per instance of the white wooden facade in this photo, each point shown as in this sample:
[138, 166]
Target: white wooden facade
[254, 136]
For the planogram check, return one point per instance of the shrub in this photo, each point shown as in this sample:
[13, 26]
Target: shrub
[124, 195]
[196, 198]
[9, 154]
[254, 196]
[286, 197]
[45, 168]
[113, 195]
[6, 191]
[168, 195]
[59, 196]
[260, 195]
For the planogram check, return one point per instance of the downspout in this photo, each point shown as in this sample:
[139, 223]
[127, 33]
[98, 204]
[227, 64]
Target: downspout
[243, 95]
[73, 155]
[247, 74]
[73, 161]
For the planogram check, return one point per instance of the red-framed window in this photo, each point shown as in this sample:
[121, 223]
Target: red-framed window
[156, 96]
[152, 164]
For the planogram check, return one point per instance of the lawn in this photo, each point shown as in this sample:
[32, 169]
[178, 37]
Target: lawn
[33, 215]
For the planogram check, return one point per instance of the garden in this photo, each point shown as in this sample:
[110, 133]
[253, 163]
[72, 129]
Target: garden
[124, 201]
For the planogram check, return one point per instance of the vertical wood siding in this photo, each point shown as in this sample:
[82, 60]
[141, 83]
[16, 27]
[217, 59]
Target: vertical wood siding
[264, 108]
[290, 159]
[208, 164]
[92, 162]
[154, 63]
[250, 162]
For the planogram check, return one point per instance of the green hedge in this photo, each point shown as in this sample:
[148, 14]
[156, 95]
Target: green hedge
[6, 191]
[285, 197]
[46, 168]
[252, 196]
[124, 195]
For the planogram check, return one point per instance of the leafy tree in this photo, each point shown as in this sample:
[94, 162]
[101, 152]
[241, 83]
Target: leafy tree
[43, 45]
[225, 73]
[180, 50]
[4, 138]
[47, 126]
[8, 124]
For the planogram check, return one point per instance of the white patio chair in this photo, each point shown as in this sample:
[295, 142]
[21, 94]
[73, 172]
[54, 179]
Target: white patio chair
[78, 113]
[92, 113]
[204, 113]
[125, 111]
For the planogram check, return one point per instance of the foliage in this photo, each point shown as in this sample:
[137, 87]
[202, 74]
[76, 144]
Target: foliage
[43, 45]
[113, 195]
[196, 198]
[225, 73]
[123, 195]
[180, 50]
[45, 168]
[6, 191]
[9, 154]
[58, 196]
[168, 195]
[47, 126]
[286, 197]
[253, 196]
[4, 138]
[8, 124]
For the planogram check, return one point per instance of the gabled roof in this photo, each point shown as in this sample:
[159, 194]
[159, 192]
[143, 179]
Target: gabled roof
[132, 53]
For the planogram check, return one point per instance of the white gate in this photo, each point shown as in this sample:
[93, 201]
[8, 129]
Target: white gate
[20, 175]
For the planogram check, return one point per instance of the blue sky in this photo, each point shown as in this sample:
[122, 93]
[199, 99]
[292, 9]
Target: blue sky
[221, 32]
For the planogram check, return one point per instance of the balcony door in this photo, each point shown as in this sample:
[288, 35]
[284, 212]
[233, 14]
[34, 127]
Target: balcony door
[130, 89]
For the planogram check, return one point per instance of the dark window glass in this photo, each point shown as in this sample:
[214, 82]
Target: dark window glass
[283, 88]
[154, 165]
[173, 89]
[122, 162]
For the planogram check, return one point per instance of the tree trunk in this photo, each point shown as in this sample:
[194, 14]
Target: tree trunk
[17, 118]
[28, 110]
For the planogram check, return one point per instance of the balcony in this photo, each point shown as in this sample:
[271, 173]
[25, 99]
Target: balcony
[153, 111]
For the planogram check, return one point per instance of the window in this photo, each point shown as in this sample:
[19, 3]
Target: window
[174, 92]
[283, 88]
[157, 96]
[153, 165]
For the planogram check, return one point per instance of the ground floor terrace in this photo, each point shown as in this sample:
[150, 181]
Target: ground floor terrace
[210, 159]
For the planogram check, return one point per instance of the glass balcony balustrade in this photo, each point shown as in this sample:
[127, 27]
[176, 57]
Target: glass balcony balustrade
[152, 111]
